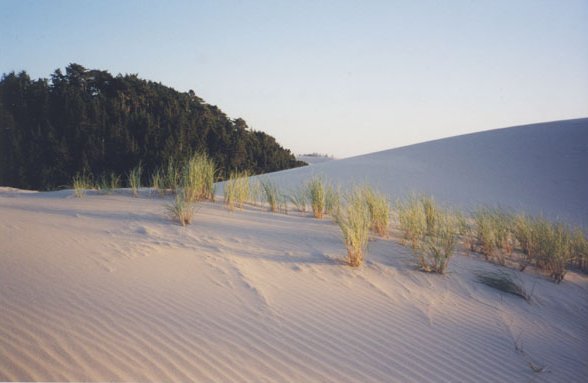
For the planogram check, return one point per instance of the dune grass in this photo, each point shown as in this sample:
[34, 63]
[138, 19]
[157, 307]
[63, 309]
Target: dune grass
[272, 195]
[171, 176]
[181, 209]
[81, 183]
[504, 282]
[103, 185]
[353, 218]
[237, 190]
[525, 236]
[379, 209]
[554, 249]
[412, 221]
[106, 184]
[466, 231]
[157, 182]
[299, 198]
[332, 199]
[134, 180]
[256, 191]
[114, 181]
[431, 212]
[580, 249]
[430, 231]
[438, 245]
[494, 229]
[198, 177]
[317, 195]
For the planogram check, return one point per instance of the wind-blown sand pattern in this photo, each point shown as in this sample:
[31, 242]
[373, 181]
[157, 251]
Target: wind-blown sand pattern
[107, 288]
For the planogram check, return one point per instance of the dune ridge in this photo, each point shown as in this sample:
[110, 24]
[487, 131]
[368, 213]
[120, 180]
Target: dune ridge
[539, 169]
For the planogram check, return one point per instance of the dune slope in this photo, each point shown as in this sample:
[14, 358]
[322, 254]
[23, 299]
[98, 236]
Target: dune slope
[106, 288]
[540, 169]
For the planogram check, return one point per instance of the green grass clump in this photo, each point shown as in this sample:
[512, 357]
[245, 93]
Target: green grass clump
[171, 176]
[580, 249]
[412, 220]
[114, 181]
[181, 209]
[549, 246]
[554, 248]
[272, 195]
[256, 192]
[354, 221]
[466, 231]
[107, 183]
[317, 195]
[332, 200]
[504, 282]
[494, 230]
[237, 190]
[431, 212]
[438, 245]
[198, 178]
[157, 182]
[81, 183]
[283, 203]
[525, 232]
[430, 231]
[134, 180]
[379, 209]
[103, 185]
[299, 198]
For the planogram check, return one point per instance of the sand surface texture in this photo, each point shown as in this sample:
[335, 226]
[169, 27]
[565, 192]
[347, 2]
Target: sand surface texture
[108, 288]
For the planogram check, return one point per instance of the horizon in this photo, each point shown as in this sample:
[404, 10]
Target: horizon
[315, 75]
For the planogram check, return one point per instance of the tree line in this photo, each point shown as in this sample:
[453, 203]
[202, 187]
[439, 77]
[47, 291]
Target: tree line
[89, 121]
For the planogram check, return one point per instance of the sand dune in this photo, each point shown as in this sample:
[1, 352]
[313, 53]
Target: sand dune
[107, 288]
[540, 169]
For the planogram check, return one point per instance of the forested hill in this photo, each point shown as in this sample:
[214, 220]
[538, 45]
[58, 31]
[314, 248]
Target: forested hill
[90, 121]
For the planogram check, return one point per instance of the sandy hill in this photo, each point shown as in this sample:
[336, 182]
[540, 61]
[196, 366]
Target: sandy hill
[108, 288]
[541, 169]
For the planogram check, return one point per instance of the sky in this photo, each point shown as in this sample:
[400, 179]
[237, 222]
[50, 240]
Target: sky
[342, 78]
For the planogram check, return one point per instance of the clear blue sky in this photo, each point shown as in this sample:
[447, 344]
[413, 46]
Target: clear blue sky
[336, 77]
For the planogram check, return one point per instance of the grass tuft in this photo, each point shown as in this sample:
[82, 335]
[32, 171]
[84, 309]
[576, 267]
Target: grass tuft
[379, 209]
[317, 194]
[134, 180]
[580, 249]
[198, 178]
[412, 221]
[81, 183]
[181, 209]
[299, 198]
[430, 231]
[256, 192]
[157, 183]
[106, 184]
[272, 195]
[439, 244]
[332, 200]
[353, 219]
[237, 190]
[494, 229]
[550, 246]
[466, 231]
[554, 248]
[171, 176]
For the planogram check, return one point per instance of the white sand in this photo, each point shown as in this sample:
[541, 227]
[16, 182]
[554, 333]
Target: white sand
[106, 288]
[541, 169]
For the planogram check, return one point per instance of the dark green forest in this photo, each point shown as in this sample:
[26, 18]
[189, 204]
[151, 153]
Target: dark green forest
[88, 121]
